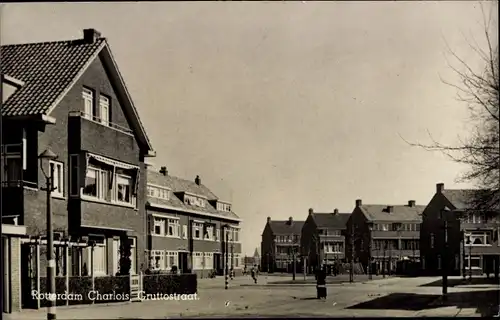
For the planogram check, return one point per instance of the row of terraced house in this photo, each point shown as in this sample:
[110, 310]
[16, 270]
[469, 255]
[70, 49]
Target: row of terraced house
[390, 239]
[70, 98]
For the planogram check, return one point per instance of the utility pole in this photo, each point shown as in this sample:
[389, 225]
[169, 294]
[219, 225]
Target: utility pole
[444, 218]
[351, 269]
[293, 256]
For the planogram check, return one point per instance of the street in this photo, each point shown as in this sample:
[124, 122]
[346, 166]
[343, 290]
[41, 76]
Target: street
[401, 297]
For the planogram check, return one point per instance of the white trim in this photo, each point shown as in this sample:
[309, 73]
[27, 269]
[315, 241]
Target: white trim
[10, 229]
[76, 78]
[111, 162]
[107, 228]
[48, 119]
[13, 81]
[159, 186]
[207, 214]
[195, 195]
[159, 215]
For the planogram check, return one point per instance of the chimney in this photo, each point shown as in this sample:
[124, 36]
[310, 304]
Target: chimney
[90, 35]
[311, 211]
[411, 203]
[268, 219]
[439, 187]
[335, 211]
[197, 180]
[163, 171]
[359, 203]
[390, 209]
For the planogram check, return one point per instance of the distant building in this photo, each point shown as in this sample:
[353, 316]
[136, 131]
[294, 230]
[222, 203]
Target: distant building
[188, 226]
[280, 244]
[253, 260]
[323, 238]
[472, 239]
[389, 234]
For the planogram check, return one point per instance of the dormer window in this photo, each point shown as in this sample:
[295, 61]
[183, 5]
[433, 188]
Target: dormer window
[159, 192]
[194, 201]
[221, 206]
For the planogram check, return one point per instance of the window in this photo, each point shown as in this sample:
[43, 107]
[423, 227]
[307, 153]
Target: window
[184, 231]
[159, 226]
[423, 263]
[209, 233]
[194, 201]
[100, 257]
[236, 235]
[73, 175]
[173, 228]
[208, 262]
[384, 227]
[97, 183]
[457, 262]
[124, 189]
[116, 260]
[133, 256]
[159, 193]
[432, 240]
[439, 262]
[58, 178]
[157, 258]
[198, 260]
[474, 262]
[104, 106]
[172, 257]
[483, 238]
[88, 100]
[236, 260]
[197, 227]
[217, 235]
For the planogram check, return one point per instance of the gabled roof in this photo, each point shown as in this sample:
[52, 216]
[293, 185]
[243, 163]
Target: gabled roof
[286, 227]
[400, 213]
[256, 253]
[178, 186]
[331, 220]
[50, 69]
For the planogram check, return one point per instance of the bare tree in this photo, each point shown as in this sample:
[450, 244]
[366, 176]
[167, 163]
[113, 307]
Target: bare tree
[480, 150]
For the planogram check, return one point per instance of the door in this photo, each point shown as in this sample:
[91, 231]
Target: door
[217, 263]
[183, 262]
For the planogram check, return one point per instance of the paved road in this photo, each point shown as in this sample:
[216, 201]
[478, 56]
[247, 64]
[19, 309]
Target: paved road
[409, 299]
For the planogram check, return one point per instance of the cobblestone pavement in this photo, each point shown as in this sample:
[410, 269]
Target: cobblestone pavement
[240, 300]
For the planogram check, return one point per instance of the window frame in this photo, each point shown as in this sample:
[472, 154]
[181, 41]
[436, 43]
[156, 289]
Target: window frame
[175, 222]
[88, 95]
[59, 177]
[107, 105]
[130, 188]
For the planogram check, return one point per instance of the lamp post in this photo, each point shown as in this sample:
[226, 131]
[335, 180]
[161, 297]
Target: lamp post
[51, 264]
[444, 219]
[232, 260]
[370, 228]
[351, 269]
[226, 249]
[293, 256]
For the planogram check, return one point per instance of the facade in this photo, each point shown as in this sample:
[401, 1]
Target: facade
[472, 245]
[280, 245]
[187, 227]
[78, 107]
[388, 235]
[323, 238]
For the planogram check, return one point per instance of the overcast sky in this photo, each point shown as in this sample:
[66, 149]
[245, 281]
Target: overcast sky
[284, 106]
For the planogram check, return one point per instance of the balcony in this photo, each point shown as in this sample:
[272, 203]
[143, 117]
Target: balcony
[104, 138]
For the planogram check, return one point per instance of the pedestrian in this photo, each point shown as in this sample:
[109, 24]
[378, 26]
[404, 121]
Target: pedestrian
[321, 283]
[254, 274]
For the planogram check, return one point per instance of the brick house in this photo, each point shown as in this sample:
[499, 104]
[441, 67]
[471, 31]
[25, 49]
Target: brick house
[175, 204]
[280, 243]
[323, 238]
[389, 234]
[69, 97]
[472, 237]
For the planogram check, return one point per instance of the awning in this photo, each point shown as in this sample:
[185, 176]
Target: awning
[111, 162]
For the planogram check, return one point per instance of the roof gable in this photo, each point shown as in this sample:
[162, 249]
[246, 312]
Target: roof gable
[377, 212]
[286, 227]
[331, 220]
[49, 70]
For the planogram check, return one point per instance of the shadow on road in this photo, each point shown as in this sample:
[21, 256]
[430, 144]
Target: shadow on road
[485, 302]
[463, 282]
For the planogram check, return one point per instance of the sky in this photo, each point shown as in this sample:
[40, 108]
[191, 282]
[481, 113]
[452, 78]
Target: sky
[285, 106]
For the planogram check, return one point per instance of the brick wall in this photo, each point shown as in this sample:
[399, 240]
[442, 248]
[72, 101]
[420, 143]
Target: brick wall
[15, 275]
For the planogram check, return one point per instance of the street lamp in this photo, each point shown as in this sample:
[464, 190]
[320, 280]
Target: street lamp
[293, 255]
[226, 249]
[370, 228]
[444, 219]
[51, 264]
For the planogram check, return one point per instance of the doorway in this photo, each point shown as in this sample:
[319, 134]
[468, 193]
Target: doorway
[218, 263]
[183, 262]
